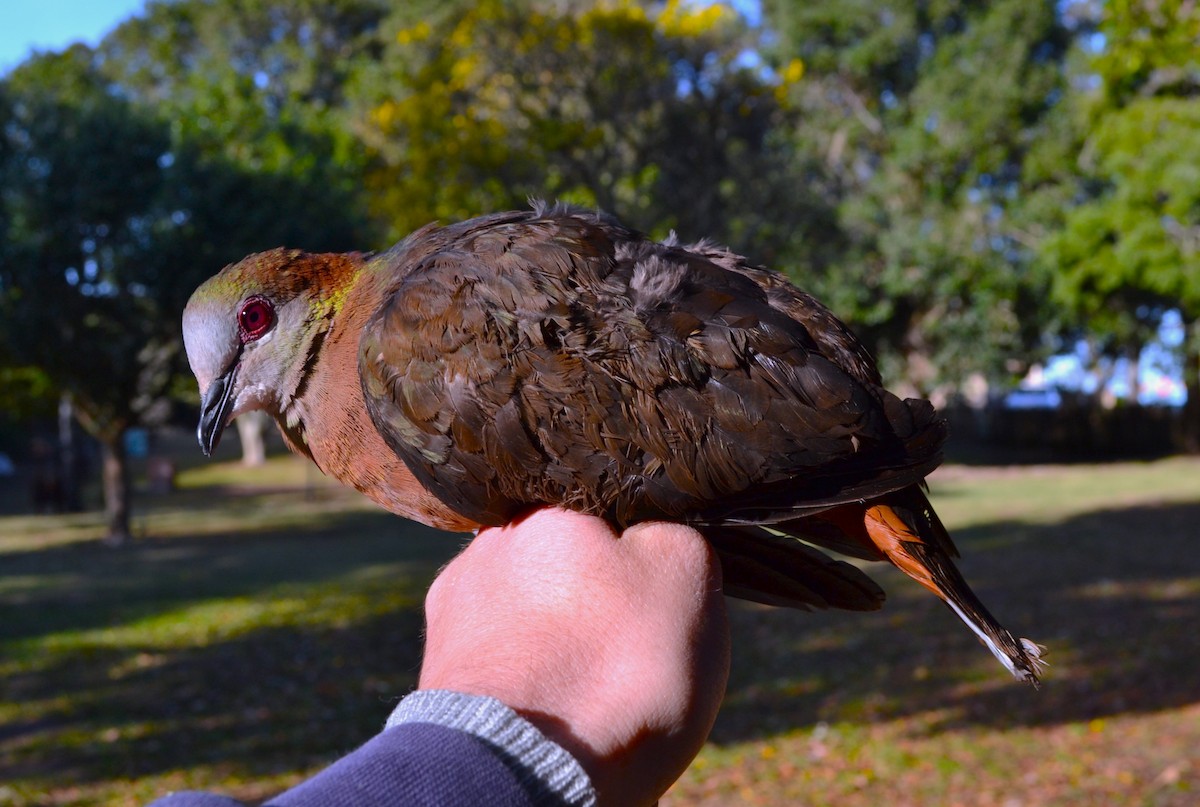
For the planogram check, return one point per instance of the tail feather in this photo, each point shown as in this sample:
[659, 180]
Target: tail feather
[901, 527]
[776, 570]
[840, 529]
[906, 529]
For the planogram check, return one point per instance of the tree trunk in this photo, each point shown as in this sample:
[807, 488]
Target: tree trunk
[1133, 375]
[70, 484]
[251, 427]
[116, 489]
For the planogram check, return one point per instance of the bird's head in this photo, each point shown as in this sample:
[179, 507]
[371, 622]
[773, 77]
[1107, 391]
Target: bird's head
[252, 329]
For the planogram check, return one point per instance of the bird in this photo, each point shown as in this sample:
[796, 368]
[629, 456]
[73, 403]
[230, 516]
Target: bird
[479, 370]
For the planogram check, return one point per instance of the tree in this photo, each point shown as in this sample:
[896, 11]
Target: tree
[81, 301]
[1129, 246]
[652, 116]
[923, 115]
[261, 85]
[255, 91]
[112, 215]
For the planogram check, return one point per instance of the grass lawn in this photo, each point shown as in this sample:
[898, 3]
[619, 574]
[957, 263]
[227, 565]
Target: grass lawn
[265, 622]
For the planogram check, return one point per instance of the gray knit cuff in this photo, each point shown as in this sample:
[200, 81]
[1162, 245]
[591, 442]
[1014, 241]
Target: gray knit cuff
[543, 767]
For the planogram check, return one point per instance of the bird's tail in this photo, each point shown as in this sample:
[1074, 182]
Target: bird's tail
[904, 527]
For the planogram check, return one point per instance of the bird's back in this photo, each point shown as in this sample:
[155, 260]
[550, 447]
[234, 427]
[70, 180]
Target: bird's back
[555, 356]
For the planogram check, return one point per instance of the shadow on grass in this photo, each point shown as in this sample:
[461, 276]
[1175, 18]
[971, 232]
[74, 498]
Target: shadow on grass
[279, 699]
[1114, 595]
[86, 585]
[117, 688]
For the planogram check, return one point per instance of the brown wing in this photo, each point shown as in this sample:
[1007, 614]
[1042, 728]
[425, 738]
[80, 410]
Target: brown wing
[556, 357]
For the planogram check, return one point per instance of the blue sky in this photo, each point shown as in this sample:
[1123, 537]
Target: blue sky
[54, 24]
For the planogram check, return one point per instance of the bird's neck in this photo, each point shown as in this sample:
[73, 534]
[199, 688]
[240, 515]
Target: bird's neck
[327, 420]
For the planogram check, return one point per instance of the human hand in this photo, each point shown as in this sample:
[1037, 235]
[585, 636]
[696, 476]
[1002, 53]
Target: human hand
[616, 648]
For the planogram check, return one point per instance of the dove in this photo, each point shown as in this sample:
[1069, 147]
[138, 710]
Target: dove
[554, 356]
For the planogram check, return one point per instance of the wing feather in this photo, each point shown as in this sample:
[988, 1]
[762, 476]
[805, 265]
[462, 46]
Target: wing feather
[560, 358]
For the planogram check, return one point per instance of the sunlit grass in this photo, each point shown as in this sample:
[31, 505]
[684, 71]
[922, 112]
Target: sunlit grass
[965, 496]
[338, 603]
[278, 471]
[1147, 759]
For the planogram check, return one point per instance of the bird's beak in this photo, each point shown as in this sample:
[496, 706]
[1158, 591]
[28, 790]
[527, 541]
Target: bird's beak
[214, 409]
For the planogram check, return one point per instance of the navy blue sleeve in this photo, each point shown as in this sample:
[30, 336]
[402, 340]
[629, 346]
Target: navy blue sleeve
[440, 747]
[412, 764]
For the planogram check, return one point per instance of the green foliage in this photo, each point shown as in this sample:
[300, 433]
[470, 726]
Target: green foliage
[1128, 246]
[647, 115]
[113, 215]
[25, 392]
[255, 95]
[1135, 246]
[923, 115]
[133, 173]
[82, 200]
[961, 180]
[1133, 237]
[1150, 49]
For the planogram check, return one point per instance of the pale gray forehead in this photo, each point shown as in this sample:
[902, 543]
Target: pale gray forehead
[210, 339]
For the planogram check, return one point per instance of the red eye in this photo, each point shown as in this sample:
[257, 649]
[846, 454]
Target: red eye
[256, 318]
